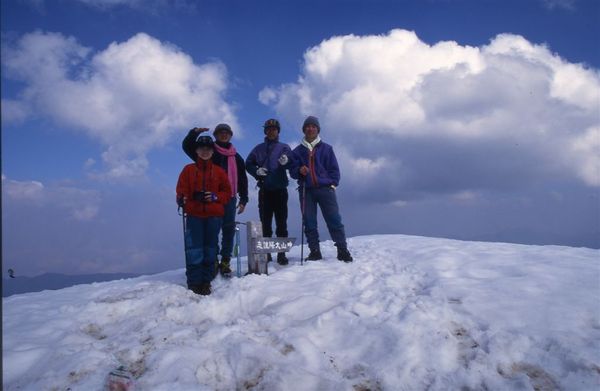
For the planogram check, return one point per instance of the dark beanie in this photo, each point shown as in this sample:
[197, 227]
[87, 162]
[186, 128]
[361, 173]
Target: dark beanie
[311, 120]
[222, 127]
[204, 141]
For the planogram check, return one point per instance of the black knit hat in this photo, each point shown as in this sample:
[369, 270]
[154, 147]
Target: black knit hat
[222, 127]
[272, 123]
[204, 141]
[311, 120]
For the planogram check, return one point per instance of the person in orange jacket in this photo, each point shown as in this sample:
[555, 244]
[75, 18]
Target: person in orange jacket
[203, 190]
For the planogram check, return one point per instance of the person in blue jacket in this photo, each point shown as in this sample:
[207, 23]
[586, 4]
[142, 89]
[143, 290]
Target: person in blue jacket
[316, 169]
[267, 163]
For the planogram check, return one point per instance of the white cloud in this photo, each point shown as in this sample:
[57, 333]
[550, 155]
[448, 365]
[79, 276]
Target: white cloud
[132, 96]
[89, 163]
[14, 111]
[27, 191]
[112, 3]
[364, 166]
[586, 149]
[86, 213]
[267, 96]
[79, 204]
[447, 118]
[559, 4]
[399, 203]
[152, 6]
[466, 196]
[570, 83]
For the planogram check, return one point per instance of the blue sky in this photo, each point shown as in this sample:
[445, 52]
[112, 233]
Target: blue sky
[464, 119]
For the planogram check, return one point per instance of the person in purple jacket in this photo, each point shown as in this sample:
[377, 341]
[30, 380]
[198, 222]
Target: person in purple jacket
[267, 163]
[316, 169]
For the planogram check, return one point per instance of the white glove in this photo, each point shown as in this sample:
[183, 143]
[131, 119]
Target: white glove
[261, 171]
[283, 159]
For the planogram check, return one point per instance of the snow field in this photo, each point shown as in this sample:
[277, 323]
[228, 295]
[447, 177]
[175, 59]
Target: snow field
[410, 313]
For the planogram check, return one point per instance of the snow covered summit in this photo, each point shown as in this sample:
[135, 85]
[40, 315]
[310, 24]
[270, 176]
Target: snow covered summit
[410, 313]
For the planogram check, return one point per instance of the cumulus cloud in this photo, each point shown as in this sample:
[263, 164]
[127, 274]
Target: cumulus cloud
[586, 149]
[447, 118]
[131, 97]
[559, 4]
[78, 204]
[141, 5]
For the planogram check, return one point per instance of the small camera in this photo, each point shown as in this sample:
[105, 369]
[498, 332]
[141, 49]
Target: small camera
[199, 196]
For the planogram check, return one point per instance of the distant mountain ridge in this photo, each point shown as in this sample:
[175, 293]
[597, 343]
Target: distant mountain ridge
[53, 281]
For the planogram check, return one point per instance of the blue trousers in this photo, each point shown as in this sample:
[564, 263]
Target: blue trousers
[201, 240]
[228, 228]
[326, 199]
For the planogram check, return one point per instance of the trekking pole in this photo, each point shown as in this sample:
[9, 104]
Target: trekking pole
[236, 249]
[237, 252]
[181, 212]
[302, 203]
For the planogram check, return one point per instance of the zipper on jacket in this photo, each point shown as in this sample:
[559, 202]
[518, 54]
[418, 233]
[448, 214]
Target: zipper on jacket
[311, 167]
[270, 145]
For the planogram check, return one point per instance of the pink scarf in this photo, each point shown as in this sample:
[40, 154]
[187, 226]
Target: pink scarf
[231, 166]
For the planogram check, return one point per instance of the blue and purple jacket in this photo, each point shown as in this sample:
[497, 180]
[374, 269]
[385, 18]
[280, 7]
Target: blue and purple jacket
[324, 170]
[266, 155]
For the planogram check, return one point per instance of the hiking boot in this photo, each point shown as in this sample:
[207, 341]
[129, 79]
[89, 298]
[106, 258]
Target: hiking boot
[282, 259]
[202, 289]
[344, 255]
[225, 265]
[314, 255]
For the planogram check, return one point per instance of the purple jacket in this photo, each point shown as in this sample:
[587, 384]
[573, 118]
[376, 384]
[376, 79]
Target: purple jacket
[324, 170]
[266, 155]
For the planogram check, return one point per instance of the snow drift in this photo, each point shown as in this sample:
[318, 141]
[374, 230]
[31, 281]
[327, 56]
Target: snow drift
[410, 313]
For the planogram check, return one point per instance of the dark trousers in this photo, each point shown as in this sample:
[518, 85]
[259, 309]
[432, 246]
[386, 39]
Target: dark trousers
[201, 239]
[228, 228]
[273, 203]
[326, 199]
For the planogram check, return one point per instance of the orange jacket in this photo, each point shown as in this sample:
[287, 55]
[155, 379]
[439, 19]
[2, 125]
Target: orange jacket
[204, 176]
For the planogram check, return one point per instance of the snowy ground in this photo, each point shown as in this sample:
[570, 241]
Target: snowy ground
[409, 314]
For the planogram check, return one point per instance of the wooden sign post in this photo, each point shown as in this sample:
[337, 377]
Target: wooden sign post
[259, 247]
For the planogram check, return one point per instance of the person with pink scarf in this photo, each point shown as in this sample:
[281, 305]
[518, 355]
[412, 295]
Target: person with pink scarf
[231, 161]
